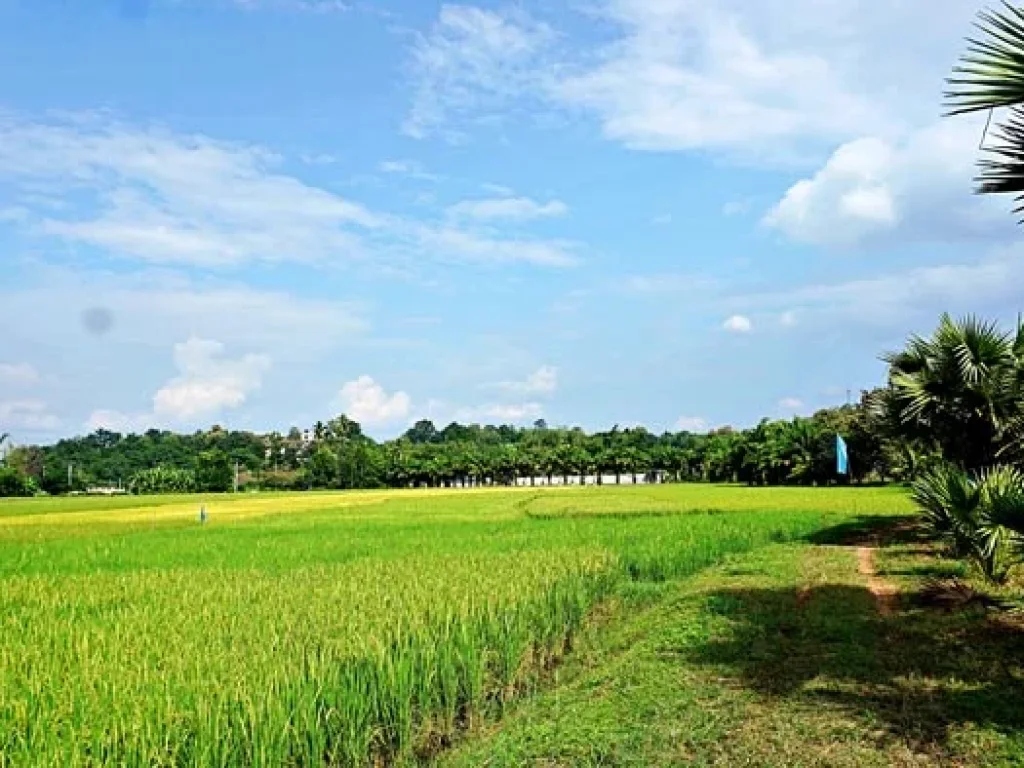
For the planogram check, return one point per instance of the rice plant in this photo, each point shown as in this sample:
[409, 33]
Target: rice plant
[348, 635]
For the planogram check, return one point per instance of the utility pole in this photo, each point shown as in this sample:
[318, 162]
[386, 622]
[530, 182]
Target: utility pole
[236, 477]
[70, 476]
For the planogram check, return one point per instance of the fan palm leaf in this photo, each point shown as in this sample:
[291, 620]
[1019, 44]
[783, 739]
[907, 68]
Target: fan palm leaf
[991, 72]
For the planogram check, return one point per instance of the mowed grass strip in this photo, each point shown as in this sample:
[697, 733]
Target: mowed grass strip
[777, 657]
[318, 636]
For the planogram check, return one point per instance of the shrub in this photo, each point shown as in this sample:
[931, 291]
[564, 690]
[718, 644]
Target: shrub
[13, 483]
[979, 517]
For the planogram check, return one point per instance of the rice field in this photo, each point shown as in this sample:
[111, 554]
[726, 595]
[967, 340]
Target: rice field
[355, 628]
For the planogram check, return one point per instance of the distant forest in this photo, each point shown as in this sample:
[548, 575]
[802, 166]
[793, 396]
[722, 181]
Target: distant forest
[336, 454]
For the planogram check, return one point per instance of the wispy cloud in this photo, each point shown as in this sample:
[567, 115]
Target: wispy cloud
[515, 208]
[30, 415]
[472, 63]
[153, 196]
[543, 381]
[410, 168]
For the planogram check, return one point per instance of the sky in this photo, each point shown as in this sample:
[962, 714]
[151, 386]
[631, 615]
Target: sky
[675, 213]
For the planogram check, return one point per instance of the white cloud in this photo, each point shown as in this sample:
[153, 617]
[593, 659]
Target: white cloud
[683, 75]
[411, 168]
[166, 198]
[461, 245]
[208, 382]
[791, 404]
[518, 208]
[687, 76]
[661, 219]
[789, 319]
[916, 188]
[738, 324]
[365, 401]
[543, 381]
[18, 375]
[27, 414]
[472, 61]
[899, 299]
[692, 424]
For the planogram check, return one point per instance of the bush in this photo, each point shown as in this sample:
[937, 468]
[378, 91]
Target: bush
[13, 483]
[979, 517]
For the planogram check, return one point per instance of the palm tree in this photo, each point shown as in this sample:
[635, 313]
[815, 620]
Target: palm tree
[991, 75]
[979, 517]
[961, 389]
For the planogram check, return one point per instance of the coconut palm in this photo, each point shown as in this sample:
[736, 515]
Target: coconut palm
[961, 388]
[991, 75]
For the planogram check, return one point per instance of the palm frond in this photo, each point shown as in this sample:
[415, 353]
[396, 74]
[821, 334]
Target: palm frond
[991, 73]
[1002, 166]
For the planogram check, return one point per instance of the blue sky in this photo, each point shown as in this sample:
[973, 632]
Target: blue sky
[262, 213]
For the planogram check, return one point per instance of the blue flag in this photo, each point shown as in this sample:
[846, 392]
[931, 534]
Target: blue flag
[842, 456]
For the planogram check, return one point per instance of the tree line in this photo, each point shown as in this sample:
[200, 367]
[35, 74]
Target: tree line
[337, 454]
[955, 397]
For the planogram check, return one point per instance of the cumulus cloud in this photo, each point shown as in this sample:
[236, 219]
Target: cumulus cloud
[18, 375]
[516, 208]
[877, 190]
[208, 382]
[365, 401]
[738, 324]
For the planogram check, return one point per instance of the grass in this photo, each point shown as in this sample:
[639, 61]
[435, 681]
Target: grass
[780, 656]
[342, 628]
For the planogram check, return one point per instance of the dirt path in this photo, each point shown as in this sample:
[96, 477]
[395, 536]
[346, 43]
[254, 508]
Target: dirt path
[884, 592]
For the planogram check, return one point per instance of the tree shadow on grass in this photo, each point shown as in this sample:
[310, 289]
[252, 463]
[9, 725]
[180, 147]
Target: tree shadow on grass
[874, 530]
[920, 672]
